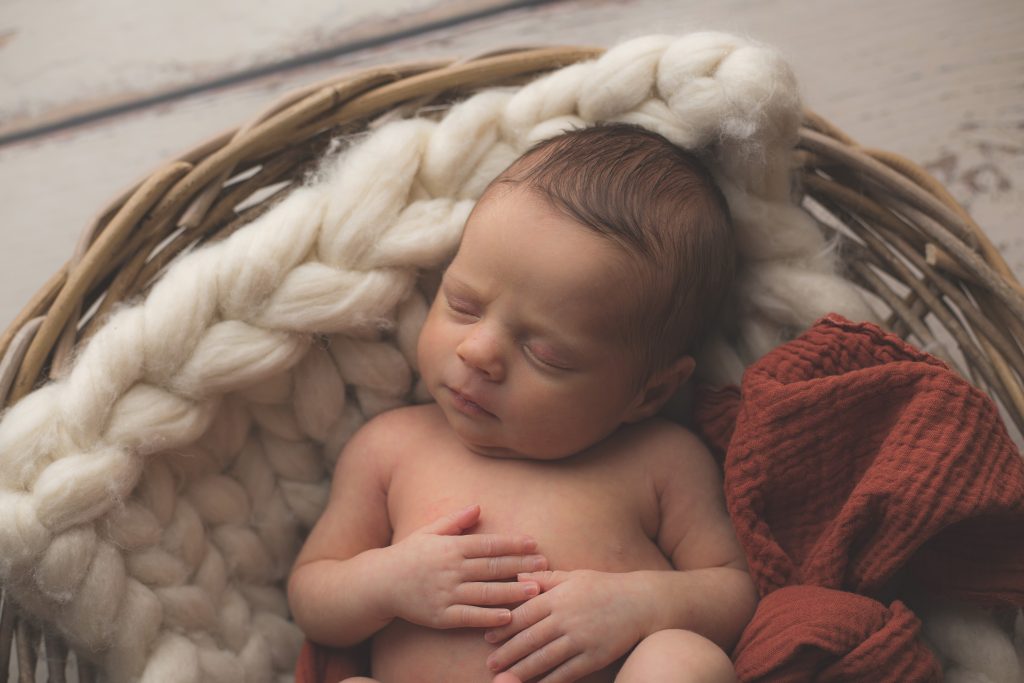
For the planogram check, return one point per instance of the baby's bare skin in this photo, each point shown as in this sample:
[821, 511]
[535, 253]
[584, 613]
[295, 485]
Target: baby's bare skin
[606, 509]
[596, 511]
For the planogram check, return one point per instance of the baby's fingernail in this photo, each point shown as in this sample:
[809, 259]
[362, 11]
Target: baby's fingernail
[491, 637]
[492, 664]
[531, 590]
[538, 562]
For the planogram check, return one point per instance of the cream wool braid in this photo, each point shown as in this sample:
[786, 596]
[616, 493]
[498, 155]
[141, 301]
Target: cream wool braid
[153, 499]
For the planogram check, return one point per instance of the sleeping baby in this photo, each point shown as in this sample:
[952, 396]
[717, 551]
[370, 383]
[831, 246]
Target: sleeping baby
[538, 521]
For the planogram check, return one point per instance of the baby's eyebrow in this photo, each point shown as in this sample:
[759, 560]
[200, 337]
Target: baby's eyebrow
[449, 280]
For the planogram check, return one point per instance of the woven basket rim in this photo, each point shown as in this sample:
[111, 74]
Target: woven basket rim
[155, 202]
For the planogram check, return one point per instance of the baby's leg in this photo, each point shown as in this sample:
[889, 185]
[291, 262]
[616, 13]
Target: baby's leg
[676, 656]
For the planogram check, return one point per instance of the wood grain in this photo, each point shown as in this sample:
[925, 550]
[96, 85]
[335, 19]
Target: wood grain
[939, 81]
[46, 101]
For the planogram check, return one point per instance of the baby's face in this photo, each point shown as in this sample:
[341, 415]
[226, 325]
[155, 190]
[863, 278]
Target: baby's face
[523, 348]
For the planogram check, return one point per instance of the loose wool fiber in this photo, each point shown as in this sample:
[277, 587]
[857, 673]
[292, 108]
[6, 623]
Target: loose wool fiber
[153, 498]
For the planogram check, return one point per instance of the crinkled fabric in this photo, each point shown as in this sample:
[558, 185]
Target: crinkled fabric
[850, 456]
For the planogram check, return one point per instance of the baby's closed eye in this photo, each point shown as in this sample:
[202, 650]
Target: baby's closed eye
[462, 306]
[545, 356]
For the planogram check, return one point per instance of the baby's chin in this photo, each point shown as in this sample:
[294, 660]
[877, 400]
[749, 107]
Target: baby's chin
[506, 453]
[490, 451]
[473, 443]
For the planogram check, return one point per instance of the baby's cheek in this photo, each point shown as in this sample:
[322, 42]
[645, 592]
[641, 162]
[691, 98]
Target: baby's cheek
[427, 349]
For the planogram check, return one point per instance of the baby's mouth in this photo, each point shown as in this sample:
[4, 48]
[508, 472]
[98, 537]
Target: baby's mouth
[466, 405]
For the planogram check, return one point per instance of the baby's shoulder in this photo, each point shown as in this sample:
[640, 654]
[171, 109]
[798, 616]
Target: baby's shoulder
[395, 428]
[371, 456]
[417, 416]
[666, 445]
[658, 434]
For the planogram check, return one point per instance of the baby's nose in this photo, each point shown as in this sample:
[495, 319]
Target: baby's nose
[482, 351]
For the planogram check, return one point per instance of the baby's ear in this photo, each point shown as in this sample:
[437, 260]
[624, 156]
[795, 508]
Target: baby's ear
[661, 386]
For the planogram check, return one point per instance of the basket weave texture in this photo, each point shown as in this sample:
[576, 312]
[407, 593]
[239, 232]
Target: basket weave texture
[934, 276]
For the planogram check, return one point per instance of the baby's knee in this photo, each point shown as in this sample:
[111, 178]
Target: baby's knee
[676, 656]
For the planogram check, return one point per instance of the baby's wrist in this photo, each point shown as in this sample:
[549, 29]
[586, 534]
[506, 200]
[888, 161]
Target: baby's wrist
[652, 597]
[381, 593]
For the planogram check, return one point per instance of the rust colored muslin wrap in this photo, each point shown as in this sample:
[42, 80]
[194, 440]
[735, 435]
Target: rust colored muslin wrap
[850, 456]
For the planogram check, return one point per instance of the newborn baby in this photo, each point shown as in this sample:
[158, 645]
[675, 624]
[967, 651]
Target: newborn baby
[539, 521]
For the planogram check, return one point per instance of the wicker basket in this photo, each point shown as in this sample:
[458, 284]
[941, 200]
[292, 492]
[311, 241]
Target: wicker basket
[903, 238]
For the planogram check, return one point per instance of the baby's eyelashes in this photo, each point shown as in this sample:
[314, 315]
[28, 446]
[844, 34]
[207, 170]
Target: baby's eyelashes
[544, 357]
[462, 307]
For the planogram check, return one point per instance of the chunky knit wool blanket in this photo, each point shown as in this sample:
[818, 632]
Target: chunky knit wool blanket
[851, 459]
[153, 498]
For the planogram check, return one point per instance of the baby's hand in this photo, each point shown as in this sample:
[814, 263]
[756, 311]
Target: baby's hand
[582, 622]
[443, 579]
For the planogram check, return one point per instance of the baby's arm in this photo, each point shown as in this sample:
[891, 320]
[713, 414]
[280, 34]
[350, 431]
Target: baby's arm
[712, 592]
[584, 620]
[348, 583]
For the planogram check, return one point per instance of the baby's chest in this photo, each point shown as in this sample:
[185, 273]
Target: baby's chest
[593, 517]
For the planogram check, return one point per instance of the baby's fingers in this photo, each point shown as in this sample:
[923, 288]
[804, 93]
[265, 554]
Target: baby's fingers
[494, 545]
[470, 616]
[509, 567]
[496, 592]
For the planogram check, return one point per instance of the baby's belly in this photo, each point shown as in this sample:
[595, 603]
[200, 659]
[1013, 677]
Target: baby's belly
[404, 653]
[588, 516]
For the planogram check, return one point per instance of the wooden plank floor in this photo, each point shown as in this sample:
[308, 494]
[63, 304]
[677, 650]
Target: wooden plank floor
[155, 53]
[940, 81]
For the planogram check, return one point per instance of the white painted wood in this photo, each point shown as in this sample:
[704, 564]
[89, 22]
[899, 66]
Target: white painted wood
[940, 81]
[58, 54]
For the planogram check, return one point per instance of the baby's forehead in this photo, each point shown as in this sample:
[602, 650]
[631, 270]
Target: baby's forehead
[502, 199]
[522, 231]
[503, 189]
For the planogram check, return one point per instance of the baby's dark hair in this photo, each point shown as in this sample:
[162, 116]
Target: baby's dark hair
[661, 205]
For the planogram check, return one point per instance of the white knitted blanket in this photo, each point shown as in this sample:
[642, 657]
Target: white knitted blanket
[153, 499]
